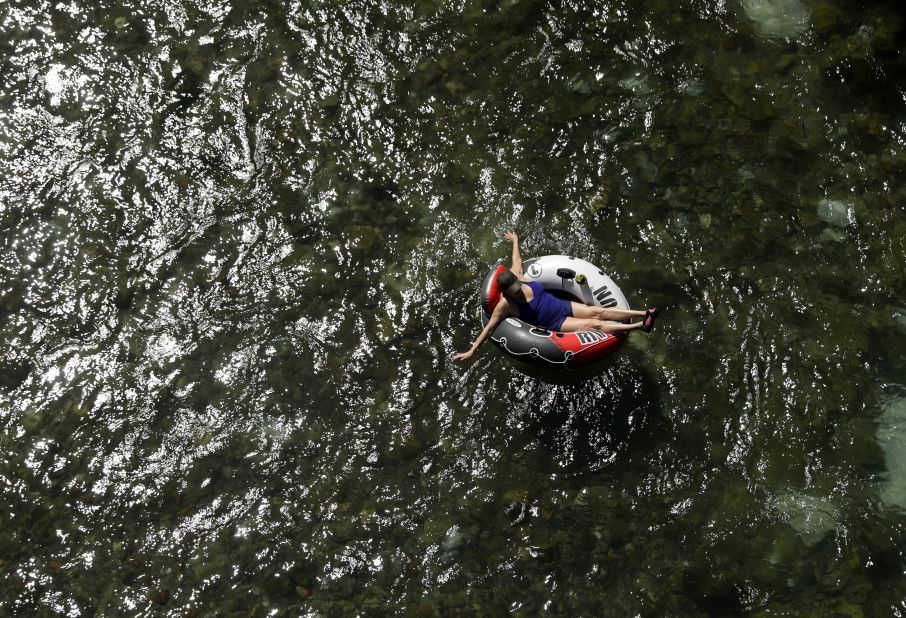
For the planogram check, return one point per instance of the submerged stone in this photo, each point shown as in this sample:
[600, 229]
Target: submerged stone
[811, 517]
[830, 234]
[777, 18]
[834, 212]
[637, 84]
[892, 439]
[691, 87]
[579, 85]
[453, 539]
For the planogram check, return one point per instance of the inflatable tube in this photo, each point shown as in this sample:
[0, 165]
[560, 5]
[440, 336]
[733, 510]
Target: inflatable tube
[540, 347]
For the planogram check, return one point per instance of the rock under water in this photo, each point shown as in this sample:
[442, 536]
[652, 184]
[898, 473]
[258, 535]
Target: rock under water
[835, 212]
[777, 18]
[892, 438]
[811, 517]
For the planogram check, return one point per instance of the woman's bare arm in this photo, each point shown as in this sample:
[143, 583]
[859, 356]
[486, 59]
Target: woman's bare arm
[497, 316]
[517, 257]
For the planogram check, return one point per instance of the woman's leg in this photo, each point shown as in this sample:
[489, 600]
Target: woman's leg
[618, 314]
[571, 325]
[616, 327]
[583, 311]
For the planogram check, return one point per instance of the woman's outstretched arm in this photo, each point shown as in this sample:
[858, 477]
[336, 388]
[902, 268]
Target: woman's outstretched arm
[517, 257]
[497, 315]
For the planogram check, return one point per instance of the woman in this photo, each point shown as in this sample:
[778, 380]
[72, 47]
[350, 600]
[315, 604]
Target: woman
[530, 302]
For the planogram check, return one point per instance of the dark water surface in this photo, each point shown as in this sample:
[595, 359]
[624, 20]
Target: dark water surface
[240, 240]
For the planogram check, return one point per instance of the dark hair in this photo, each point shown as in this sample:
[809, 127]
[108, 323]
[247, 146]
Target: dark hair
[505, 280]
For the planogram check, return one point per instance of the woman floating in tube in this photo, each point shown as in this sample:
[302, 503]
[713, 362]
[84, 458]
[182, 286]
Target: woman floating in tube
[528, 301]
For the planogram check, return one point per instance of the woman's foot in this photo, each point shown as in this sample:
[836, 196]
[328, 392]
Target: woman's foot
[648, 322]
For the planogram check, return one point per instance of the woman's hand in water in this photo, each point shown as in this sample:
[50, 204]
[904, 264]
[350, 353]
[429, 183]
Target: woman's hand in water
[461, 356]
[511, 237]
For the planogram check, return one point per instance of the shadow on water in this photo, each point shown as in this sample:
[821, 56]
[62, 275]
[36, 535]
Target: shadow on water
[589, 425]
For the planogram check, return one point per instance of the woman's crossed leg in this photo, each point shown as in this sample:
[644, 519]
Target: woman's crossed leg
[583, 311]
[571, 325]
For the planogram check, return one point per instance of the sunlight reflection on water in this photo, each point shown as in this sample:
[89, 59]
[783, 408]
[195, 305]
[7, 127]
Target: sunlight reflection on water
[240, 243]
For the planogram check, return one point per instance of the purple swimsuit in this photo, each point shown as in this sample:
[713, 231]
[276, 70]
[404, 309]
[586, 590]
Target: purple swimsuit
[544, 310]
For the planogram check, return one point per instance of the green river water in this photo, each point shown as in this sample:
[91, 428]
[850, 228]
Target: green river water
[239, 242]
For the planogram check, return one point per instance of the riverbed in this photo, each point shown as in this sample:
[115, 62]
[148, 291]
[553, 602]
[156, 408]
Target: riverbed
[240, 241]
